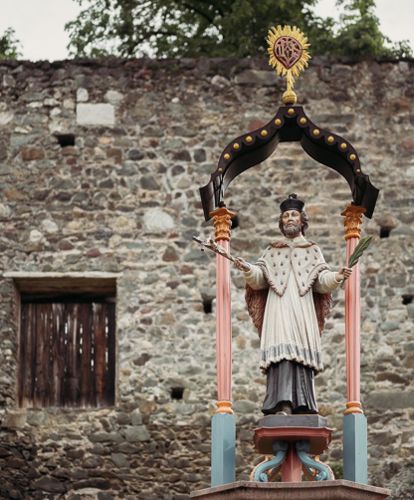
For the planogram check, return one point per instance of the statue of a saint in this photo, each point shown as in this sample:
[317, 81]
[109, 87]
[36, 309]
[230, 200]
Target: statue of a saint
[288, 295]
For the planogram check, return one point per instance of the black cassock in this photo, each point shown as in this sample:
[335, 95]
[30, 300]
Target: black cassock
[288, 381]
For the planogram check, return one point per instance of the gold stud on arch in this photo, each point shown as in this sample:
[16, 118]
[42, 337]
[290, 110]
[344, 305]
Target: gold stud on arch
[291, 111]
[226, 156]
[278, 122]
[249, 138]
[330, 139]
[236, 145]
[303, 121]
[352, 157]
[343, 146]
[263, 133]
[316, 131]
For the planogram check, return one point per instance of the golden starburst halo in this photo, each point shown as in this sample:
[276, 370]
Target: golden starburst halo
[288, 55]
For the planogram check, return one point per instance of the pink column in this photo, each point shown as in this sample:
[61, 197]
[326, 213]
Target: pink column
[292, 466]
[222, 224]
[353, 219]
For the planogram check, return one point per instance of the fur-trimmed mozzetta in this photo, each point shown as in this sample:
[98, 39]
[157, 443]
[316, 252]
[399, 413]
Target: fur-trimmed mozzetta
[256, 299]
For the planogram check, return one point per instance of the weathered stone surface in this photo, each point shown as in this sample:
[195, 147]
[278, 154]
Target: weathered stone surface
[120, 460]
[220, 81]
[113, 96]
[391, 399]
[29, 154]
[102, 437]
[137, 433]
[50, 485]
[156, 220]
[95, 114]
[125, 199]
[5, 117]
[255, 77]
[49, 226]
[82, 95]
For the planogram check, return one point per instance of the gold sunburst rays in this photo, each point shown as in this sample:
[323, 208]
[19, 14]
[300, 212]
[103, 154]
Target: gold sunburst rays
[288, 55]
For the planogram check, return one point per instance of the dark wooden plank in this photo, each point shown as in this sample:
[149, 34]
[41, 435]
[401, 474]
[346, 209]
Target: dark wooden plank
[39, 389]
[47, 366]
[100, 349]
[76, 356]
[32, 382]
[111, 356]
[86, 385]
[93, 401]
[47, 358]
[66, 355]
[52, 341]
[57, 352]
[24, 354]
[71, 367]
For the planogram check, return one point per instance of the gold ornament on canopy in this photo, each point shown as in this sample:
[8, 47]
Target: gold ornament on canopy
[287, 48]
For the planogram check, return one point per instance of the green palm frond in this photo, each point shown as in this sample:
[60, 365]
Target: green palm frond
[359, 250]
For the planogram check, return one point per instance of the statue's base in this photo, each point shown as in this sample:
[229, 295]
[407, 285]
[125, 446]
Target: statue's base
[322, 490]
[292, 428]
[293, 441]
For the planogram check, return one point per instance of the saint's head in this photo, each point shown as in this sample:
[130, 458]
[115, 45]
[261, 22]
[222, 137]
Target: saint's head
[293, 220]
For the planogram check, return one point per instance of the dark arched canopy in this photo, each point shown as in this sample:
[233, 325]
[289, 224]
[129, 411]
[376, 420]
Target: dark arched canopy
[289, 124]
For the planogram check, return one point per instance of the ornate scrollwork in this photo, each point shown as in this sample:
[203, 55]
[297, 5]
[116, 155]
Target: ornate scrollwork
[260, 472]
[353, 220]
[222, 223]
[323, 471]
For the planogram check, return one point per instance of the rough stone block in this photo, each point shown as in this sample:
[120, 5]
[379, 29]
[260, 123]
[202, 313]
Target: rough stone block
[256, 77]
[391, 399]
[113, 96]
[137, 433]
[82, 95]
[29, 154]
[50, 485]
[6, 117]
[156, 220]
[95, 114]
[15, 419]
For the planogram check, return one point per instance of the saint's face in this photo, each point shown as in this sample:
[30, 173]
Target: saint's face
[291, 223]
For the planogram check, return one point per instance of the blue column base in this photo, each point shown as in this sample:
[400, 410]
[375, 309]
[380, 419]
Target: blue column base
[223, 449]
[355, 443]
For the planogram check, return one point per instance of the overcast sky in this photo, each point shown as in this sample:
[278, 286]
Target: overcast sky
[39, 24]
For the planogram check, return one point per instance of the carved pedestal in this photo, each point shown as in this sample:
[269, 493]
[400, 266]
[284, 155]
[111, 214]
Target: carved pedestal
[294, 441]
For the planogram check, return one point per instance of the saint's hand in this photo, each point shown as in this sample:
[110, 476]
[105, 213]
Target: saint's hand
[241, 264]
[343, 274]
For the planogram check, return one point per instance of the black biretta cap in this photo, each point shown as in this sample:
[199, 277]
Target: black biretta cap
[292, 203]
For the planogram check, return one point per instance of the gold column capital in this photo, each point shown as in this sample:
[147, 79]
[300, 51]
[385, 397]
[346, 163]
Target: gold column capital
[222, 223]
[224, 407]
[353, 220]
[353, 407]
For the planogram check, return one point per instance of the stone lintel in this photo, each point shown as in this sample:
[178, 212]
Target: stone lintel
[322, 490]
[37, 275]
[99, 283]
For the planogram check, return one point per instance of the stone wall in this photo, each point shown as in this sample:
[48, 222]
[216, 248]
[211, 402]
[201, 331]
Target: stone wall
[124, 199]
